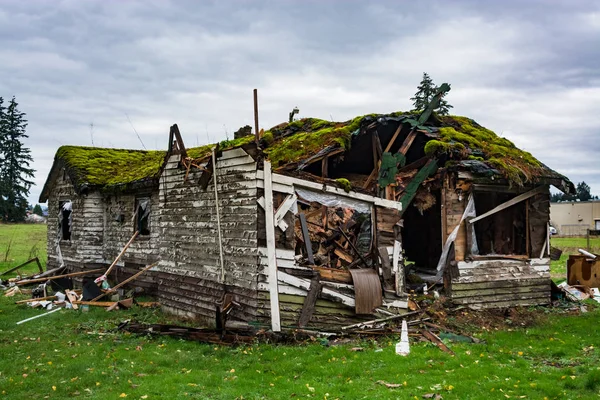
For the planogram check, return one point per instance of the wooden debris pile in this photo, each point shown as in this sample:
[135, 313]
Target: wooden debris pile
[54, 289]
[332, 237]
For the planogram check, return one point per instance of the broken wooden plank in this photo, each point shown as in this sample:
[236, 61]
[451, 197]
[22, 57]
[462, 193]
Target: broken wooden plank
[437, 341]
[121, 253]
[283, 208]
[343, 255]
[326, 293]
[386, 268]
[96, 303]
[35, 299]
[24, 264]
[272, 259]
[509, 203]
[332, 274]
[49, 278]
[126, 281]
[308, 308]
[306, 238]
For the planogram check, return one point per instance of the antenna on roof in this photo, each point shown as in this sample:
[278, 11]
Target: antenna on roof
[138, 136]
[92, 132]
[331, 116]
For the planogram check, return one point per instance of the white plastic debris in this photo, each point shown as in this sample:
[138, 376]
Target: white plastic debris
[403, 347]
[60, 296]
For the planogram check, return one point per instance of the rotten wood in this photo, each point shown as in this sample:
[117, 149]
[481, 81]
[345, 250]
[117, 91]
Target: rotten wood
[386, 268]
[50, 278]
[179, 140]
[325, 167]
[308, 308]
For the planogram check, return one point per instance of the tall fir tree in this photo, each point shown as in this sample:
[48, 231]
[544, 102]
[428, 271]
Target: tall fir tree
[15, 170]
[425, 92]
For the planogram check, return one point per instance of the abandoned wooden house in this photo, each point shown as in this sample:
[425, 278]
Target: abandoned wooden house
[314, 223]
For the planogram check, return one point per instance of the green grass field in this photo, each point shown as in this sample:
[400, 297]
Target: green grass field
[21, 242]
[78, 354]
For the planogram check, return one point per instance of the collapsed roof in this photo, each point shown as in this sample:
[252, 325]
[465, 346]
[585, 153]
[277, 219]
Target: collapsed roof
[457, 143]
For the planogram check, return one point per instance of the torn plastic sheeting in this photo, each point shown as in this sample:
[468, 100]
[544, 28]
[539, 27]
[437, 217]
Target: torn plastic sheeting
[145, 206]
[331, 200]
[67, 206]
[469, 212]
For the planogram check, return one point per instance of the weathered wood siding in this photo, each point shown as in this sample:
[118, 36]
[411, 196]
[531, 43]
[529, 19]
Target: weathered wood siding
[190, 278]
[453, 207]
[502, 283]
[85, 246]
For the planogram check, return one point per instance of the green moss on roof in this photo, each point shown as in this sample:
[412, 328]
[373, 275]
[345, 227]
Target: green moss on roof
[303, 138]
[205, 151]
[517, 165]
[105, 167]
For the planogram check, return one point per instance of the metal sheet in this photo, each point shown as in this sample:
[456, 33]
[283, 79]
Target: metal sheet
[367, 290]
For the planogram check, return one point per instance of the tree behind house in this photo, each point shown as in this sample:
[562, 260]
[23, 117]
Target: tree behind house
[425, 92]
[15, 160]
[37, 209]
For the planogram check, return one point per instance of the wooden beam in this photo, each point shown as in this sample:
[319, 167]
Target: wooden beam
[509, 203]
[324, 167]
[272, 259]
[308, 308]
[527, 238]
[256, 131]
[24, 264]
[126, 281]
[179, 140]
[50, 278]
[121, 253]
[306, 238]
[387, 149]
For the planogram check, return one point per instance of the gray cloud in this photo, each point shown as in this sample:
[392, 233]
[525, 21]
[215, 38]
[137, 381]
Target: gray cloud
[527, 70]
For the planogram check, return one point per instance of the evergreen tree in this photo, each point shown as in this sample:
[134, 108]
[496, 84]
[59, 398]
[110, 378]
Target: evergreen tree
[15, 168]
[583, 191]
[37, 209]
[425, 92]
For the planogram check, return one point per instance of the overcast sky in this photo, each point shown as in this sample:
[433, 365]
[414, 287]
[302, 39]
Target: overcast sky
[529, 70]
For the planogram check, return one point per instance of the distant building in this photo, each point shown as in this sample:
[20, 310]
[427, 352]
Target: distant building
[574, 218]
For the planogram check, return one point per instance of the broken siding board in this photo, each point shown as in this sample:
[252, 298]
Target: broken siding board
[473, 293]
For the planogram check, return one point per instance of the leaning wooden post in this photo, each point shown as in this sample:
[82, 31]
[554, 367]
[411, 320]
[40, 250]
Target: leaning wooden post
[256, 132]
[214, 164]
[121, 253]
[271, 257]
[114, 289]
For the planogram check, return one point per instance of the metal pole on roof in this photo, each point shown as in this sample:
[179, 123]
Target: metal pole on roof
[214, 163]
[256, 133]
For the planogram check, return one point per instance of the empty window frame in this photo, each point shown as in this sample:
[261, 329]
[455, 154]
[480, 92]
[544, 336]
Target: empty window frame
[65, 219]
[142, 216]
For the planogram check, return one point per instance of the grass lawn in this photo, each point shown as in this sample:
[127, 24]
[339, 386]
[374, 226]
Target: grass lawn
[78, 354]
[569, 245]
[21, 242]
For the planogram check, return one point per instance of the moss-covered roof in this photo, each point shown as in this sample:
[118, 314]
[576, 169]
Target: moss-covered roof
[96, 166]
[460, 138]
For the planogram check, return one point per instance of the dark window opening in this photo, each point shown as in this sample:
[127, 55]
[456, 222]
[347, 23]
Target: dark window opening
[422, 231]
[504, 232]
[142, 220]
[65, 221]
